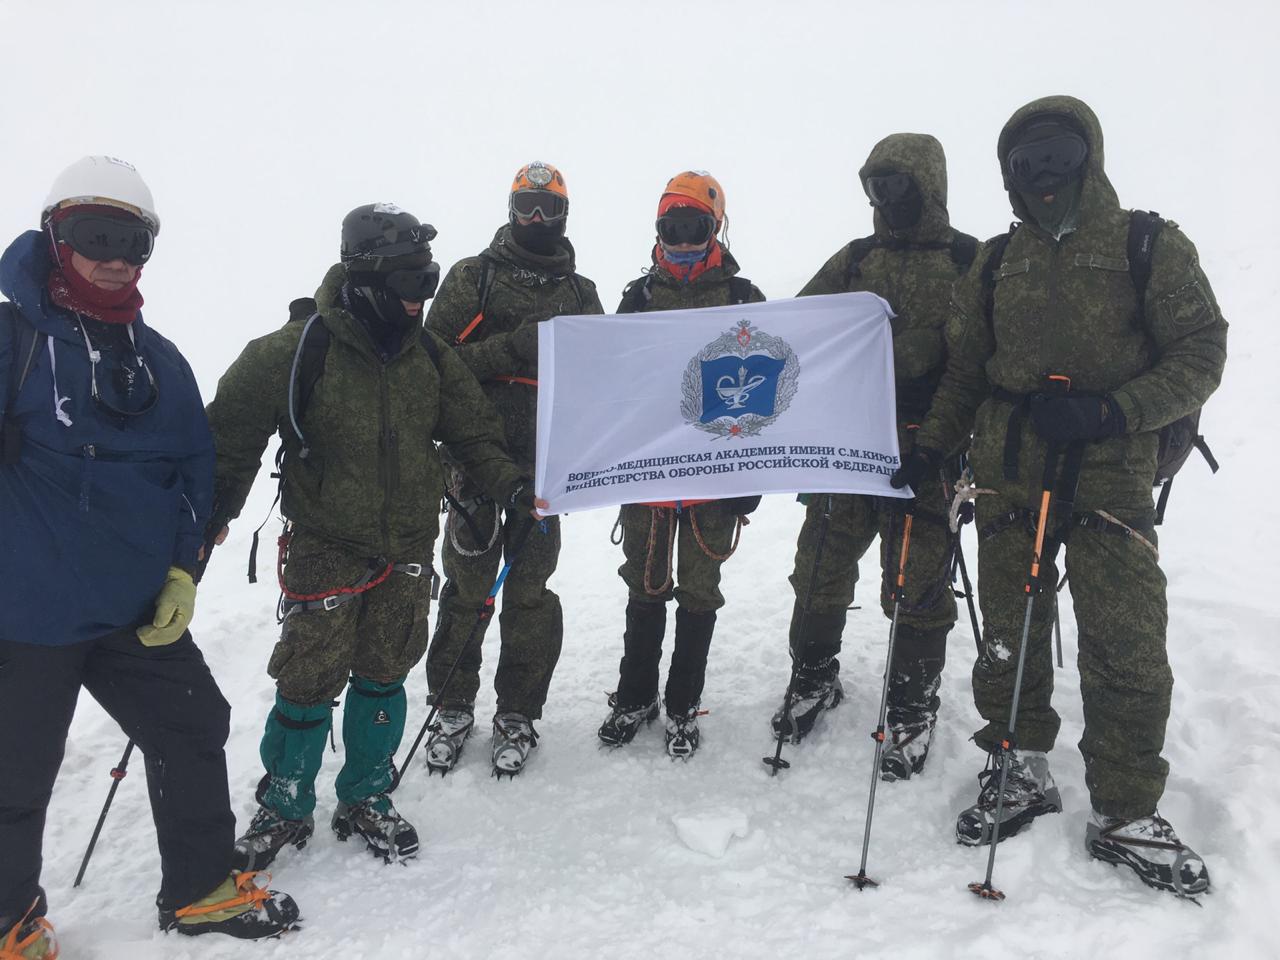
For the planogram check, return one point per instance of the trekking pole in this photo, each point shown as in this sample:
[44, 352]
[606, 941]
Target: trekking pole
[968, 593]
[776, 763]
[118, 773]
[1057, 619]
[1033, 586]
[483, 616]
[860, 879]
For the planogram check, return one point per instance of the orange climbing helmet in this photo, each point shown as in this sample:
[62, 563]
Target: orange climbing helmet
[539, 188]
[697, 186]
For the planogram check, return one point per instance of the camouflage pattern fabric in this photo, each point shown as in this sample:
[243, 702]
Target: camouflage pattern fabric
[526, 289]
[373, 478]
[1069, 307]
[917, 283]
[695, 575]
[708, 289]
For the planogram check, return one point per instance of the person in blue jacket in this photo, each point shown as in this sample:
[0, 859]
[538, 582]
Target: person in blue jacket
[106, 483]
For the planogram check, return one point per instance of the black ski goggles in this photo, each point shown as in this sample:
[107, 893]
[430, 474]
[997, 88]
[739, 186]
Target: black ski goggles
[415, 285]
[525, 204]
[684, 225]
[101, 238]
[890, 188]
[1047, 164]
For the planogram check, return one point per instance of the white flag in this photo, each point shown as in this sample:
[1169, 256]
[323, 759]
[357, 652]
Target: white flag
[781, 397]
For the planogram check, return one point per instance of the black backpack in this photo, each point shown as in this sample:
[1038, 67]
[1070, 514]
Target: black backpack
[637, 294]
[1177, 439]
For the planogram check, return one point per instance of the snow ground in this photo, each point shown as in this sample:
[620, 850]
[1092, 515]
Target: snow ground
[259, 125]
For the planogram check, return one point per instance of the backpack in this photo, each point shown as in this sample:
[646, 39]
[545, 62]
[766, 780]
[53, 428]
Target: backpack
[637, 294]
[26, 341]
[1177, 439]
[485, 286]
[962, 247]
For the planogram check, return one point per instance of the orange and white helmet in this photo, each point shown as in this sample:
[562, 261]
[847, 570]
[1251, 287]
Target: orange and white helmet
[697, 186]
[539, 189]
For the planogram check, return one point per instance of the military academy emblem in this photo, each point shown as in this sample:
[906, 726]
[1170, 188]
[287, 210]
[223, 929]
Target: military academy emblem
[739, 383]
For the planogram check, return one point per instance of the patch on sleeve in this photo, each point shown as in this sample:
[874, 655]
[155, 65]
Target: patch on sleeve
[1186, 309]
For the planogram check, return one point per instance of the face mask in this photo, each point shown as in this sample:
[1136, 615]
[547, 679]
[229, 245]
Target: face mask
[685, 258]
[1059, 217]
[540, 238]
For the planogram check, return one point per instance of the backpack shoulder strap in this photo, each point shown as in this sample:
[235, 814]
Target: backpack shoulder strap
[26, 341]
[1144, 228]
[739, 290]
[858, 250]
[484, 286]
[636, 295]
[308, 365]
[995, 254]
[576, 283]
[432, 348]
[963, 249]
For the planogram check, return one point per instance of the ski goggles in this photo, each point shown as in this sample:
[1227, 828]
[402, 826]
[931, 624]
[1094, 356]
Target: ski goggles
[1047, 164]
[683, 225]
[890, 188]
[101, 238]
[414, 285]
[525, 204]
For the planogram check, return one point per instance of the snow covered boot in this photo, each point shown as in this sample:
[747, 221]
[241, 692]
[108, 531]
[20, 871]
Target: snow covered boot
[905, 749]
[682, 734]
[388, 835]
[449, 731]
[268, 834]
[1029, 792]
[513, 740]
[1150, 846]
[28, 937]
[815, 691]
[623, 722]
[238, 908]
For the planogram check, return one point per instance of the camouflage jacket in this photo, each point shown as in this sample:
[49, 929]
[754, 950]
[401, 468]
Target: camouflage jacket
[502, 349]
[710, 288]
[912, 269]
[1069, 307]
[373, 479]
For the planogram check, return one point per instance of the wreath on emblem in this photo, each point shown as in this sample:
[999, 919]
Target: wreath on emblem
[745, 341]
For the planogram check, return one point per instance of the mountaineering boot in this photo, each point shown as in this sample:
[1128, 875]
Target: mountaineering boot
[28, 937]
[1028, 793]
[623, 723]
[815, 691]
[905, 749]
[1150, 846]
[449, 731]
[641, 652]
[513, 739]
[388, 835]
[237, 907]
[268, 834]
[682, 734]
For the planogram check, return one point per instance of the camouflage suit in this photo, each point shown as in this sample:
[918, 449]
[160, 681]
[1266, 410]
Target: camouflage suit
[692, 575]
[1069, 307]
[913, 270]
[501, 350]
[365, 495]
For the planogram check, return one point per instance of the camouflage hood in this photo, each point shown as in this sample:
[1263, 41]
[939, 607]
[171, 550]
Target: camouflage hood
[921, 156]
[1097, 195]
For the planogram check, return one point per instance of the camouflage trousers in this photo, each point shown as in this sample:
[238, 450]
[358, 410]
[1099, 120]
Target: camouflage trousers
[928, 610]
[378, 635]
[1118, 593]
[531, 624]
[664, 558]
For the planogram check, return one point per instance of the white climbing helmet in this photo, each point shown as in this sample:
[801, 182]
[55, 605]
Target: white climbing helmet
[106, 181]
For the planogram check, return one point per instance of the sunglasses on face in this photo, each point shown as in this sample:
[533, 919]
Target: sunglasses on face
[105, 238]
[890, 188]
[549, 206]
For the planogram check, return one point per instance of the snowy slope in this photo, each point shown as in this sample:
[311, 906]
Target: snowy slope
[259, 125]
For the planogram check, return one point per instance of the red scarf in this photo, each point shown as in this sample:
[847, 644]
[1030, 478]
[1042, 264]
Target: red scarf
[693, 271]
[71, 291]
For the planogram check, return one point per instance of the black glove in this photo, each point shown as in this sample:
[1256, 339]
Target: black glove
[919, 464]
[521, 498]
[1066, 418]
[741, 506]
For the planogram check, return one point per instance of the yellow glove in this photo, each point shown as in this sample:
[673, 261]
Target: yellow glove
[175, 606]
